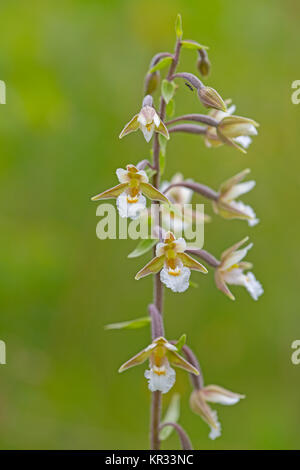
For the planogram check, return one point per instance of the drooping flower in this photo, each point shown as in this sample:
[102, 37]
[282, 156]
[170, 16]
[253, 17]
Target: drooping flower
[147, 120]
[179, 194]
[174, 265]
[129, 193]
[214, 394]
[231, 271]
[228, 207]
[161, 377]
[231, 130]
[179, 216]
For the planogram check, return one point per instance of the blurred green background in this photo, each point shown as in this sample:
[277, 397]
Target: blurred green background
[74, 72]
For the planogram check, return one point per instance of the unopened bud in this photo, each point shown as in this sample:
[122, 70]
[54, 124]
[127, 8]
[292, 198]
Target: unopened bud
[203, 63]
[151, 82]
[210, 98]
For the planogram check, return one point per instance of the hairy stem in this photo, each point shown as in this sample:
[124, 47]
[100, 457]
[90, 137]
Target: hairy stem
[188, 128]
[156, 322]
[158, 287]
[197, 380]
[205, 256]
[155, 420]
[204, 118]
[205, 191]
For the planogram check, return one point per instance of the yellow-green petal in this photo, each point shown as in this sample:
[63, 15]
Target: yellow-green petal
[131, 126]
[153, 267]
[136, 360]
[153, 193]
[178, 361]
[112, 192]
[161, 129]
[191, 263]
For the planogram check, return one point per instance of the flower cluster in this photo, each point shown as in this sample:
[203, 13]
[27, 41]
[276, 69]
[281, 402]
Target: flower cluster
[172, 262]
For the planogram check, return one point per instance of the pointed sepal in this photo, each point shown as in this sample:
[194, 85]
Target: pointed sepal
[178, 361]
[152, 193]
[191, 263]
[153, 267]
[111, 193]
[131, 126]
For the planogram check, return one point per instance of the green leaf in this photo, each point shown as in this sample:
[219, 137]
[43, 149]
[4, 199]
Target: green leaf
[170, 108]
[167, 90]
[150, 172]
[172, 414]
[178, 26]
[163, 144]
[187, 44]
[129, 325]
[161, 64]
[143, 247]
[181, 342]
[194, 284]
[162, 162]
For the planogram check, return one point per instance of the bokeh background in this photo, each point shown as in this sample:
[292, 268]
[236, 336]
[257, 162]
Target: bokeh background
[74, 72]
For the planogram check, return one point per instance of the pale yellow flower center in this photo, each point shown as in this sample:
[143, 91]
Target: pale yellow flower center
[149, 126]
[158, 360]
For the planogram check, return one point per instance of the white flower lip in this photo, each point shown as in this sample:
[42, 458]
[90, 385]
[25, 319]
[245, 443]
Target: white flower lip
[215, 431]
[253, 286]
[178, 283]
[247, 210]
[160, 380]
[237, 277]
[244, 140]
[148, 120]
[130, 209]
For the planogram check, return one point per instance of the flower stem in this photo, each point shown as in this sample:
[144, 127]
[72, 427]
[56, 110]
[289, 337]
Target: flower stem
[158, 293]
[155, 420]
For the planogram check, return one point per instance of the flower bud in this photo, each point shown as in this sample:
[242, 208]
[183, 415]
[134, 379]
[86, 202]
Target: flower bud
[203, 63]
[210, 98]
[151, 82]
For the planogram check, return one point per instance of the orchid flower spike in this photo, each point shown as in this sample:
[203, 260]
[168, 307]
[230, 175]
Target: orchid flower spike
[231, 130]
[147, 120]
[160, 376]
[174, 265]
[129, 193]
[228, 207]
[231, 271]
[214, 394]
